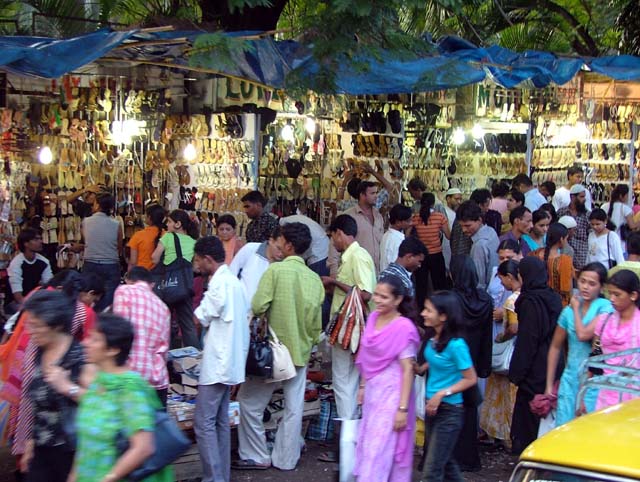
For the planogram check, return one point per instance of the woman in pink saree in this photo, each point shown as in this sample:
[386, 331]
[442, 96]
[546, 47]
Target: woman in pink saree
[384, 452]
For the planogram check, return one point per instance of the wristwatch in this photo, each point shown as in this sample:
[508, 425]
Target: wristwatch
[73, 391]
[448, 392]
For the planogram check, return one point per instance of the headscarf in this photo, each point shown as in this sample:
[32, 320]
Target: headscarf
[476, 303]
[546, 302]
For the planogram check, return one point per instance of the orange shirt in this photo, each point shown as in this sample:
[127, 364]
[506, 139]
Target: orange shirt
[431, 233]
[144, 242]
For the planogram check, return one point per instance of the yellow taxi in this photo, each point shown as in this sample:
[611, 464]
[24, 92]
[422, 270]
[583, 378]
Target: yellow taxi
[602, 446]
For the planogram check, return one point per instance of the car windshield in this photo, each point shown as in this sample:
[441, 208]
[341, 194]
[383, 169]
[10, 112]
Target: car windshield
[538, 474]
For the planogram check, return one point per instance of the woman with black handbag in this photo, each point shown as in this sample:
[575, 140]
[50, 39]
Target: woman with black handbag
[53, 394]
[538, 308]
[117, 415]
[180, 238]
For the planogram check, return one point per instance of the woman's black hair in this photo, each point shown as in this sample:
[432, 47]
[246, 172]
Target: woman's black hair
[551, 210]
[156, 215]
[68, 281]
[508, 267]
[556, 232]
[598, 215]
[226, 219]
[517, 196]
[620, 191]
[118, 333]
[407, 305]
[447, 303]
[626, 280]
[426, 203]
[540, 215]
[510, 244]
[180, 216]
[597, 268]
[92, 282]
[52, 308]
[499, 189]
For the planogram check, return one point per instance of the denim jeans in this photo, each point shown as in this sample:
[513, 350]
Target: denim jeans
[110, 274]
[442, 431]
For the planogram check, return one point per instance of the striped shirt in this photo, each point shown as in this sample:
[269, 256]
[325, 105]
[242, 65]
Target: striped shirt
[431, 233]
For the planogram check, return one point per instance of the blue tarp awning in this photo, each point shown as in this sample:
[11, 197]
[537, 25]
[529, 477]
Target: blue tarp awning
[453, 62]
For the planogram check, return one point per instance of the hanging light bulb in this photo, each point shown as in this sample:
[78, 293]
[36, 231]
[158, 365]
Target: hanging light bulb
[189, 152]
[287, 133]
[477, 132]
[45, 156]
[458, 136]
[310, 126]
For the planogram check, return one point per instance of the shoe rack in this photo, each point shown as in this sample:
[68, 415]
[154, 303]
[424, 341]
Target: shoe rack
[603, 142]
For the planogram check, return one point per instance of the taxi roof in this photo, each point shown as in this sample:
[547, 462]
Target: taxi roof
[606, 441]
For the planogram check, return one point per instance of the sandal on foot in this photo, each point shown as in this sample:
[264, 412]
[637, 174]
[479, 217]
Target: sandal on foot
[248, 465]
[330, 457]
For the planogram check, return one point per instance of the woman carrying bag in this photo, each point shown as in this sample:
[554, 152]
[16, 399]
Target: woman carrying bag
[180, 230]
[385, 360]
[118, 404]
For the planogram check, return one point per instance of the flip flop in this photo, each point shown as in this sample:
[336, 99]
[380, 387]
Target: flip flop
[248, 465]
[330, 457]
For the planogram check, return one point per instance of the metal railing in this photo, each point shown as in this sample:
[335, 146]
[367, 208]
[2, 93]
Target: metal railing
[620, 378]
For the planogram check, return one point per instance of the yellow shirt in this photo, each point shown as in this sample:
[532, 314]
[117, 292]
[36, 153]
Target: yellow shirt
[356, 269]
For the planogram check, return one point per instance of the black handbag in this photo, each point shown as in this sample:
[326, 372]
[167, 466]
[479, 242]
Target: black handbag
[174, 282]
[169, 444]
[260, 356]
[596, 348]
[612, 262]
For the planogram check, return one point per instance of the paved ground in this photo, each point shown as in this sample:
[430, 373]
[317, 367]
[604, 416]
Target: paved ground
[497, 467]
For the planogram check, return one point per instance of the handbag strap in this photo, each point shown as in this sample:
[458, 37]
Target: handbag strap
[609, 250]
[176, 243]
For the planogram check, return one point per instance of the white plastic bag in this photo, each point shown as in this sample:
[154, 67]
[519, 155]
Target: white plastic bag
[547, 423]
[348, 440]
[419, 388]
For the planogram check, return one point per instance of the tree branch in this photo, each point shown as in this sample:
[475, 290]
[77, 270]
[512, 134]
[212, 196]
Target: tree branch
[588, 44]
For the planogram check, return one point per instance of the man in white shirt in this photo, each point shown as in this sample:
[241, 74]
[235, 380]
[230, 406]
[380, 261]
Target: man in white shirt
[399, 221]
[453, 199]
[29, 268]
[316, 256]
[562, 197]
[223, 313]
[532, 197]
[253, 259]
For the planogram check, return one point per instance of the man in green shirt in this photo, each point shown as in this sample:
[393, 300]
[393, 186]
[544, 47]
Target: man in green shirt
[291, 296]
[356, 269]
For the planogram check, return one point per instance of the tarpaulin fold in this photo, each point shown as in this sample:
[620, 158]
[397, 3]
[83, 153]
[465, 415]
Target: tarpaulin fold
[454, 62]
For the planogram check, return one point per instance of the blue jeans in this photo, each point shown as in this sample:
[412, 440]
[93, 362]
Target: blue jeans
[442, 432]
[110, 274]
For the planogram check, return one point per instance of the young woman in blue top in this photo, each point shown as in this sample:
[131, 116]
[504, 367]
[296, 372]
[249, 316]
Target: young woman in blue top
[583, 309]
[536, 238]
[450, 372]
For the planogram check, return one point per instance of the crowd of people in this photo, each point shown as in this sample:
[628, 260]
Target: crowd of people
[444, 284]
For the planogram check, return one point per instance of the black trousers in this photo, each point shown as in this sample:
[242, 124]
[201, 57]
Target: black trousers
[466, 451]
[524, 424]
[50, 464]
[437, 271]
[183, 317]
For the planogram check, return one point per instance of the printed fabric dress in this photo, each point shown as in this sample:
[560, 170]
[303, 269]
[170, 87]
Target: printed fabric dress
[578, 353]
[114, 402]
[500, 394]
[614, 337]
